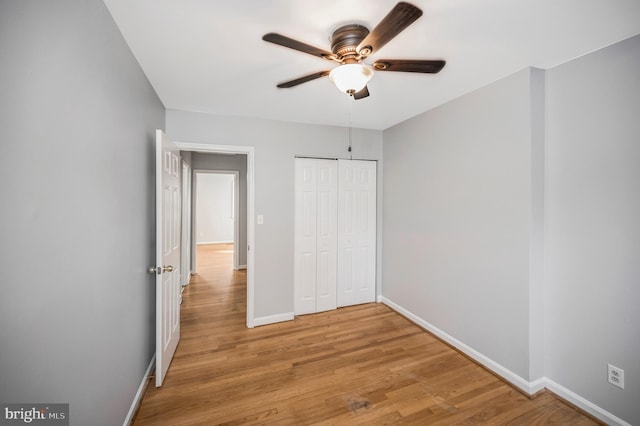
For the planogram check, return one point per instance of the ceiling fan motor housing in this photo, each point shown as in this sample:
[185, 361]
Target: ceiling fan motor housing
[345, 39]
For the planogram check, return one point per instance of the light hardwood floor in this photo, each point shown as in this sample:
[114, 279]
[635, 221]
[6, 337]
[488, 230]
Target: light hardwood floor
[359, 365]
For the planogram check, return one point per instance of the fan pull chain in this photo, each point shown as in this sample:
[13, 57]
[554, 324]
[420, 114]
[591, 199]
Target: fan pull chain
[351, 101]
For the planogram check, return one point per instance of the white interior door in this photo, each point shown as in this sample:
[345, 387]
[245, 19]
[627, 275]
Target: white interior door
[168, 286]
[356, 232]
[315, 235]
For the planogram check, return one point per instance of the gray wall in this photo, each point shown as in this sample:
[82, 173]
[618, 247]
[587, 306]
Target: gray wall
[457, 211]
[216, 211]
[593, 221]
[77, 120]
[276, 145]
[238, 163]
[511, 223]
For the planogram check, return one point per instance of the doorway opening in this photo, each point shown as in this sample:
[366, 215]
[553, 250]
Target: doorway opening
[217, 214]
[243, 211]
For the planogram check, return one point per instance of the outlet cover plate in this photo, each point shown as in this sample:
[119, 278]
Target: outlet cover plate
[615, 376]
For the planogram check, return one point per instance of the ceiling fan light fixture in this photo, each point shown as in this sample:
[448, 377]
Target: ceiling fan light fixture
[351, 78]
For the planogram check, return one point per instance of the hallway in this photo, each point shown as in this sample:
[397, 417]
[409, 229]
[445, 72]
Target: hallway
[358, 365]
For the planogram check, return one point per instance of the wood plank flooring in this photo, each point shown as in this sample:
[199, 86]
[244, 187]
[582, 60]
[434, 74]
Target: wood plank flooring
[358, 365]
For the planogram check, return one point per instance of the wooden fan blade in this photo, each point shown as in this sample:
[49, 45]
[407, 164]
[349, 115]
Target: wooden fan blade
[303, 79]
[361, 94]
[400, 17]
[281, 40]
[409, 65]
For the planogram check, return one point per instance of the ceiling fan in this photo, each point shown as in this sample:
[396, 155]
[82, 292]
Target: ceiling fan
[351, 44]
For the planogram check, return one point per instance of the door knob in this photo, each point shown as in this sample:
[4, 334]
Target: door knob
[160, 269]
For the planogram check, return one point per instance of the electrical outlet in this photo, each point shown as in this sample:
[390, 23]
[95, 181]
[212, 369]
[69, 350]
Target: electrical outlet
[615, 376]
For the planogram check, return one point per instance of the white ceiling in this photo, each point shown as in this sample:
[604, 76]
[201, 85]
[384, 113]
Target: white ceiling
[208, 55]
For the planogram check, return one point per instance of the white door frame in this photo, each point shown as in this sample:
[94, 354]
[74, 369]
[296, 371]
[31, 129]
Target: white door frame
[249, 152]
[236, 210]
[186, 224]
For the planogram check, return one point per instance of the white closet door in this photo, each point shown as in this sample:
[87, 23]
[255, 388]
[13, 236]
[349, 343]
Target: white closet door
[327, 235]
[305, 237]
[356, 232]
[315, 235]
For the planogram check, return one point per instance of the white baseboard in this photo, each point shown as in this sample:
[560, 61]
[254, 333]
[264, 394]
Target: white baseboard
[538, 385]
[584, 404]
[138, 397]
[527, 387]
[272, 319]
[213, 242]
[487, 362]
[242, 267]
